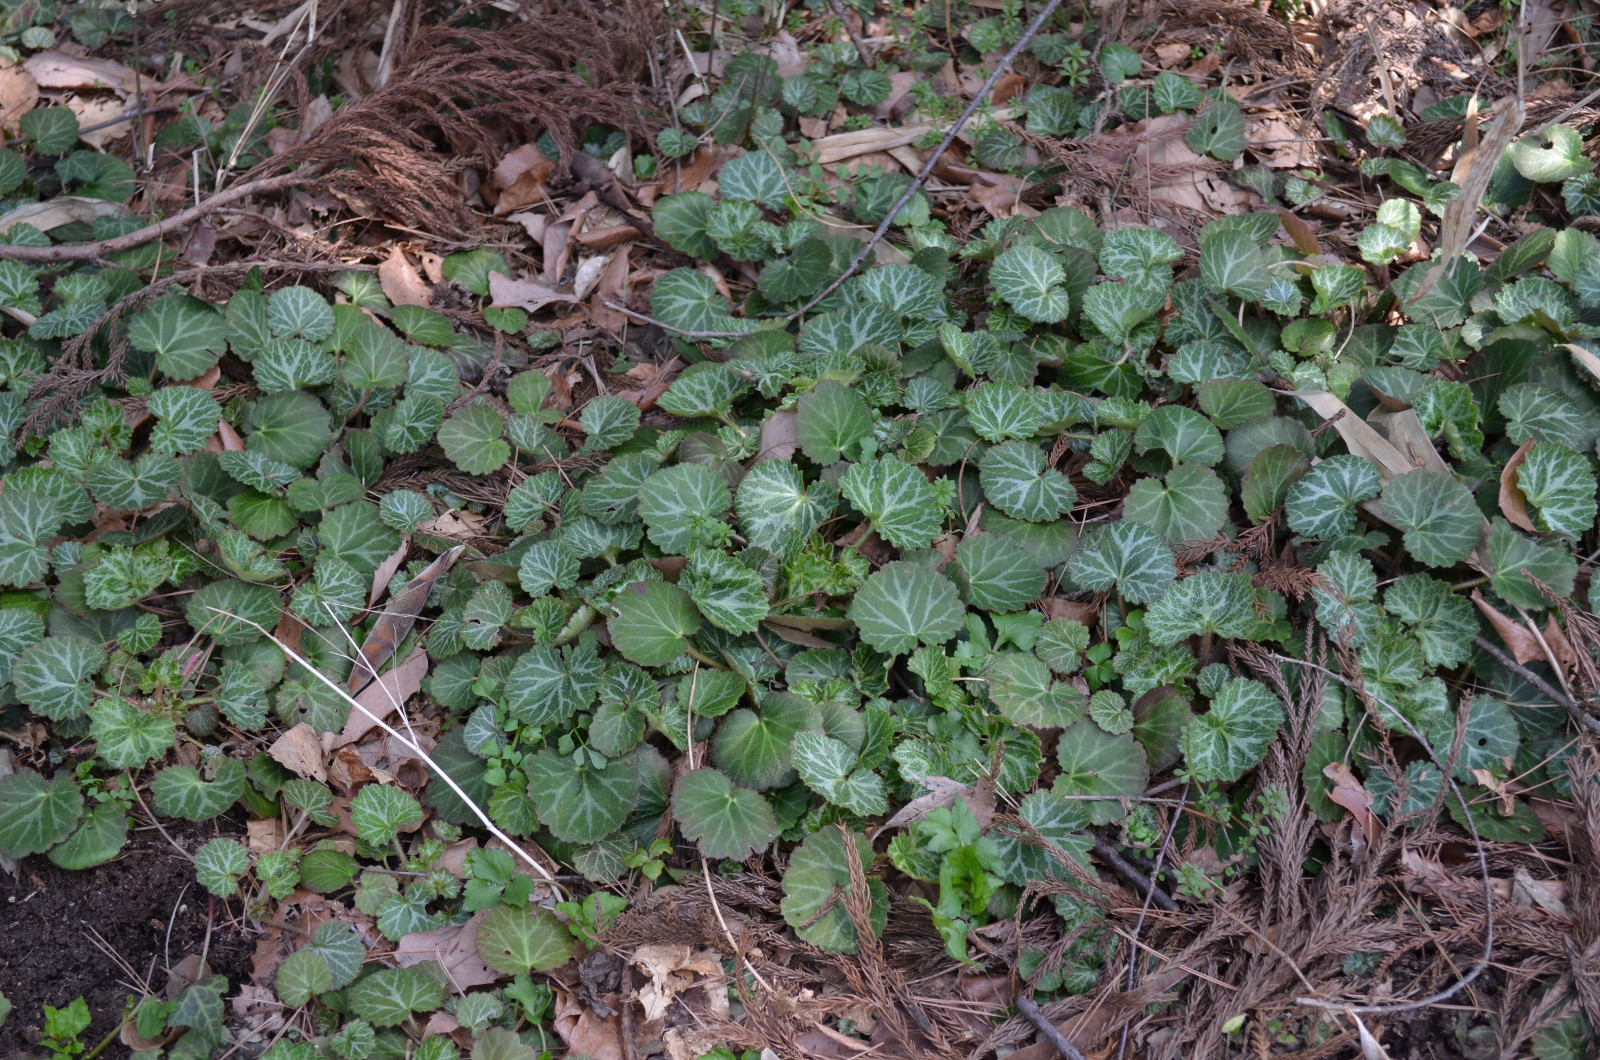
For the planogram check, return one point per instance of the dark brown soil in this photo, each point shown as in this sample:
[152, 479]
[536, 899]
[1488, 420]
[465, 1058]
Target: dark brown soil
[46, 952]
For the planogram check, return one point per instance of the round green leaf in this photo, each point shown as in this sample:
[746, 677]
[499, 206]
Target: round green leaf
[379, 811]
[1442, 524]
[98, 839]
[1095, 762]
[777, 511]
[581, 803]
[292, 428]
[127, 736]
[519, 940]
[180, 791]
[301, 977]
[471, 439]
[219, 864]
[829, 419]
[389, 996]
[897, 498]
[682, 507]
[357, 534]
[998, 576]
[232, 611]
[818, 872]
[52, 676]
[653, 622]
[1322, 503]
[1016, 481]
[728, 593]
[1191, 504]
[35, 814]
[904, 604]
[1182, 433]
[1022, 687]
[1126, 556]
[549, 685]
[725, 821]
[755, 749]
[1033, 280]
[1234, 734]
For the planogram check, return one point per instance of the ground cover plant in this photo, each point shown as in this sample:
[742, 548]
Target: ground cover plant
[844, 530]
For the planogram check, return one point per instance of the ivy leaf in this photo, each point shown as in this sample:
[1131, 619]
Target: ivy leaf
[1015, 480]
[819, 871]
[471, 438]
[1191, 504]
[1440, 520]
[1321, 504]
[728, 593]
[1127, 556]
[653, 622]
[754, 749]
[581, 803]
[1560, 485]
[185, 334]
[389, 996]
[1022, 687]
[682, 508]
[997, 575]
[903, 604]
[186, 417]
[999, 410]
[1513, 557]
[521, 940]
[1182, 433]
[27, 519]
[776, 510]
[127, 736]
[98, 838]
[1210, 602]
[1231, 262]
[36, 814]
[549, 684]
[1268, 479]
[897, 498]
[180, 791]
[219, 864]
[828, 419]
[725, 821]
[379, 811]
[1234, 734]
[52, 676]
[302, 976]
[608, 421]
[1033, 280]
[1096, 762]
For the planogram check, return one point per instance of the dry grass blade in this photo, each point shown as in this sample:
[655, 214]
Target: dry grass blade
[396, 621]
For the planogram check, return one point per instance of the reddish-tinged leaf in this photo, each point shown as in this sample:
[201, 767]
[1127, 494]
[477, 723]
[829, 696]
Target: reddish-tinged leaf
[391, 627]
[1348, 792]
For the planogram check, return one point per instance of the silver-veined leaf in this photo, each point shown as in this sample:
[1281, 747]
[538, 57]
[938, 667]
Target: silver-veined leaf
[1190, 504]
[1015, 480]
[1234, 734]
[1442, 523]
[904, 604]
[728, 593]
[897, 498]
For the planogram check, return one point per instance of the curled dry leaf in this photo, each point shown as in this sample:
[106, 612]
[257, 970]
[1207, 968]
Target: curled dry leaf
[454, 947]
[1349, 793]
[524, 294]
[1517, 637]
[300, 752]
[386, 571]
[55, 69]
[400, 282]
[1513, 505]
[675, 968]
[382, 697]
[19, 92]
[396, 621]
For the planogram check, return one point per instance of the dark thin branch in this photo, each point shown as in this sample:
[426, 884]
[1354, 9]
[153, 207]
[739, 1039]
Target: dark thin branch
[1138, 880]
[1583, 717]
[1046, 1029]
[861, 46]
[106, 247]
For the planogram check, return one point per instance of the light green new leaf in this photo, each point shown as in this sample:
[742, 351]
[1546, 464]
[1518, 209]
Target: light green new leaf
[723, 820]
[904, 604]
[219, 864]
[1234, 734]
[828, 419]
[301, 977]
[1015, 480]
[1550, 158]
[36, 814]
[379, 811]
[728, 593]
[1441, 521]
[653, 622]
[897, 498]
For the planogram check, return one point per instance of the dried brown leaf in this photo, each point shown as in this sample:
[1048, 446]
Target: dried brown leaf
[400, 282]
[456, 950]
[391, 627]
[300, 752]
[1518, 638]
[382, 697]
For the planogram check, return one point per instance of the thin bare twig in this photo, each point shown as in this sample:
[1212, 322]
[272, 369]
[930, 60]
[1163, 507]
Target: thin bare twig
[1583, 717]
[861, 47]
[1141, 883]
[106, 247]
[1046, 1029]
